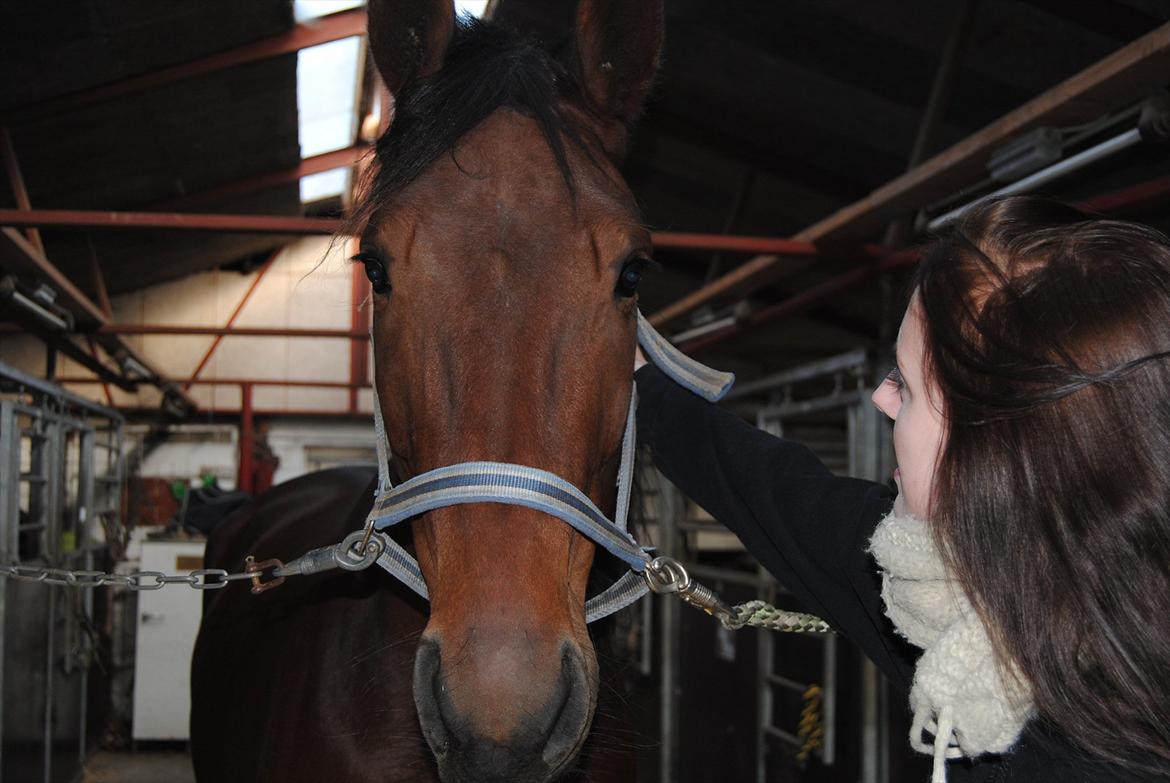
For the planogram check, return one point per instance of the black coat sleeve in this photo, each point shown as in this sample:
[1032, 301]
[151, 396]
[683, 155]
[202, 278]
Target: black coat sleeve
[807, 526]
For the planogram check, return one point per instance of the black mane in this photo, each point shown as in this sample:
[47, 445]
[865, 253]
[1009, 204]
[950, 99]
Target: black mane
[487, 67]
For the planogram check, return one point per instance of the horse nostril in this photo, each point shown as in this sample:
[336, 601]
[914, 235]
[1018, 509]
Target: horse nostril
[428, 698]
[568, 727]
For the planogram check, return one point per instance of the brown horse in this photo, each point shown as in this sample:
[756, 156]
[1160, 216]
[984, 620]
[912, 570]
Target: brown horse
[504, 250]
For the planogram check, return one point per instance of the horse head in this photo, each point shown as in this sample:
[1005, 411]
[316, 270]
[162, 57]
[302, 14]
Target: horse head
[504, 250]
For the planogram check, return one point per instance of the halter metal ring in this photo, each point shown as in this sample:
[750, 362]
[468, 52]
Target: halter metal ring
[357, 551]
[666, 575]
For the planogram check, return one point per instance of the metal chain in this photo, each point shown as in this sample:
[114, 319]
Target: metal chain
[203, 579]
[359, 550]
[356, 552]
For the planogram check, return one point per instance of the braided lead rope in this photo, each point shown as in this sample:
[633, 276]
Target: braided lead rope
[761, 614]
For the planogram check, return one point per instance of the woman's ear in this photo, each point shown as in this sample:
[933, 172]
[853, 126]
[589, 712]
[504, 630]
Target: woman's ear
[617, 44]
[409, 39]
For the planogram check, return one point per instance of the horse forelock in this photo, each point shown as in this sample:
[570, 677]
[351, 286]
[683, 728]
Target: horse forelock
[488, 68]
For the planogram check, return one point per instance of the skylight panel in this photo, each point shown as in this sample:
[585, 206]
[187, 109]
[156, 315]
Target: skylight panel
[303, 10]
[326, 184]
[471, 7]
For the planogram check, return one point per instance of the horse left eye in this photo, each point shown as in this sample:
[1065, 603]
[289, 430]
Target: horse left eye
[375, 271]
[629, 277]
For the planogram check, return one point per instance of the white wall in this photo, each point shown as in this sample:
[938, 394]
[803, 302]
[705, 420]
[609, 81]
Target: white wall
[200, 449]
[309, 286]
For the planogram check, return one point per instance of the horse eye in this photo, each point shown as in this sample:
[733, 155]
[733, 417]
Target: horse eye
[630, 276]
[375, 271]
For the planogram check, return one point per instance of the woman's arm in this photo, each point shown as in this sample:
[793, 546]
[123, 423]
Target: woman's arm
[808, 527]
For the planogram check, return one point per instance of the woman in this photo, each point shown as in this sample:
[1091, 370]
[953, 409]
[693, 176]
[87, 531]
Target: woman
[1028, 616]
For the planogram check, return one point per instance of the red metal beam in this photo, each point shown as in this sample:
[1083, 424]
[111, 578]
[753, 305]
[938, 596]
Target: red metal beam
[777, 246]
[248, 224]
[1144, 195]
[302, 225]
[99, 279]
[16, 180]
[319, 31]
[292, 413]
[105, 386]
[232, 318]
[804, 299]
[238, 331]
[236, 382]
[327, 161]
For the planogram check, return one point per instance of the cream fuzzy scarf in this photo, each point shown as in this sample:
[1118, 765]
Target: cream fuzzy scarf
[958, 694]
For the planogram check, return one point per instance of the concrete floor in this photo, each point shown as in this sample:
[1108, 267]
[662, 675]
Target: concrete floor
[142, 767]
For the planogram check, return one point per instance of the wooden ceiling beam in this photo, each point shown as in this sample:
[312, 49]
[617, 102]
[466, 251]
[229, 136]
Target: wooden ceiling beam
[1122, 78]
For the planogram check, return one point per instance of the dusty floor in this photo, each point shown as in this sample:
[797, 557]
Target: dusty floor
[142, 767]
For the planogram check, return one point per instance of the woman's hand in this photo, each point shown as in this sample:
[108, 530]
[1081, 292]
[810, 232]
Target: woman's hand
[639, 359]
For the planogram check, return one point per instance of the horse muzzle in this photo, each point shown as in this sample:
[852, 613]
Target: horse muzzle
[531, 721]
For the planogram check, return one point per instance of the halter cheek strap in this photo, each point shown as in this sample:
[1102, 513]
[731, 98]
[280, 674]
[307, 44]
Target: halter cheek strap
[502, 482]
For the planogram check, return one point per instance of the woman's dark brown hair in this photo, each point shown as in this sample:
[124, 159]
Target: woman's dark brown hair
[1048, 336]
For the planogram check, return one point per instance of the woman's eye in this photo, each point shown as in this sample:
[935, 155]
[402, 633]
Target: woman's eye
[895, 378]
[630, 276]
[375, 271]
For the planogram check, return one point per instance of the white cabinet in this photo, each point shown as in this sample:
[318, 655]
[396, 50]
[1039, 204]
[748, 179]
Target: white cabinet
[168, 620]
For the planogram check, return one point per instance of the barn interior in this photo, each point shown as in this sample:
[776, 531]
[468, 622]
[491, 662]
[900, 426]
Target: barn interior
[180, 327]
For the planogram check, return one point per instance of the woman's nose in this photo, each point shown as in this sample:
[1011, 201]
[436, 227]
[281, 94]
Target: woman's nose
[882, 401]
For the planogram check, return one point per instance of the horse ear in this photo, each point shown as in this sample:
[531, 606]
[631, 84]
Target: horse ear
[618, 43]
[409, 39]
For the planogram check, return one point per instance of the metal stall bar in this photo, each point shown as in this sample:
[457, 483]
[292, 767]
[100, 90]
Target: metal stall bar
[867, 444]
[871, 457]
[9, 519]
[770, 419]
[671, 507]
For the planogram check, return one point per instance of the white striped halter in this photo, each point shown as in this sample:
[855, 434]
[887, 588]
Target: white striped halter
[520, 485]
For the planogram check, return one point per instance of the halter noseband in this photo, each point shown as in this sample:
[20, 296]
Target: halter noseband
[520, 485]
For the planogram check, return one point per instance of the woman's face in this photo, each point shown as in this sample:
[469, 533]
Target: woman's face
[906, 397]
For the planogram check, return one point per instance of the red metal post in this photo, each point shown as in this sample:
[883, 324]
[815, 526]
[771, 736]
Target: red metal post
[247, 435]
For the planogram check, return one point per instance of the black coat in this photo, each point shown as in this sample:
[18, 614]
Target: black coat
[811, 530]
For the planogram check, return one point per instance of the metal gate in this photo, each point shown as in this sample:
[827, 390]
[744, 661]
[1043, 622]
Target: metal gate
[60, 502]
[852, 438]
